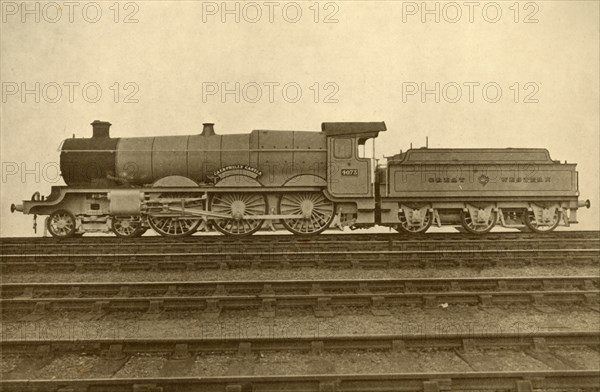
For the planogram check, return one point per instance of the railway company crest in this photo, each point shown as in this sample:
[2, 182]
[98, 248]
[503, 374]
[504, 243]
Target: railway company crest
[483, 179]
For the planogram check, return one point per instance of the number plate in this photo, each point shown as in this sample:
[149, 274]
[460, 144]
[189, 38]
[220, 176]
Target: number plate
[349, 172]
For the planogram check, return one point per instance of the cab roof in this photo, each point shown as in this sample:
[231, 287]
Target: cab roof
[363, 130]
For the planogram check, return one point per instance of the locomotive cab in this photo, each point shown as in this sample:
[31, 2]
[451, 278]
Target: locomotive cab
[350, 176]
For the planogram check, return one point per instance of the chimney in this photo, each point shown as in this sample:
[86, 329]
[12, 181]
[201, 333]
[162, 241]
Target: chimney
[208, 130]
[101, 128]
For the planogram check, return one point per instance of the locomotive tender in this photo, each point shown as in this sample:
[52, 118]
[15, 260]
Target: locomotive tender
[305, 181]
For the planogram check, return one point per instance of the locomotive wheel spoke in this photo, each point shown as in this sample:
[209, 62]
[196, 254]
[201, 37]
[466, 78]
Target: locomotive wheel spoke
[407, 226]
[478, 227]
[532, 223]
[316, 209]
[61, 224]
[173, 226]
[238, 206]
[127, 226]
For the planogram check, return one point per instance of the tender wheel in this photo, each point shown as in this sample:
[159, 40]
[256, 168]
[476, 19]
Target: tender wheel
[173, 226]
[417, 224]
[127, 226]
[478, 226]
[238, 206]
[547, 226]
[61, 224]
[317, 212]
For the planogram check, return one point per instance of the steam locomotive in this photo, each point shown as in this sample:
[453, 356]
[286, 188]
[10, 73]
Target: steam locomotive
[304, 182]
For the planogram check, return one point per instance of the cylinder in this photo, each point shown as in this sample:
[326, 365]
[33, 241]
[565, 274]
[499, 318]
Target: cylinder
[125, 202]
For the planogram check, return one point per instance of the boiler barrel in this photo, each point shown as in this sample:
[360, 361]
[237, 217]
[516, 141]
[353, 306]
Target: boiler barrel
[278, 155]
[145, 160]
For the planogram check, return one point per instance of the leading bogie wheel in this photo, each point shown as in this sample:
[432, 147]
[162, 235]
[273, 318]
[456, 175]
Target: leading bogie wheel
[61, 224]
[239, 207]
[315, 212]
[173, 226]
[127, 226]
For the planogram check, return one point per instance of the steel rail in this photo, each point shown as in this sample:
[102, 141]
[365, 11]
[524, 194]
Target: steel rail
[262, 254]
[287, 238]
[292, 258]
[341, 245]
[33, 290]
[321, 303]
[185, 347]
[492, 381]
[283, 240]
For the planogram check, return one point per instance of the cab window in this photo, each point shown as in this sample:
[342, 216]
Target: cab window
[342, 148]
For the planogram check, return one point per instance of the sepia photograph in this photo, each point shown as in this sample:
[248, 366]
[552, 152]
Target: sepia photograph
[309, 195]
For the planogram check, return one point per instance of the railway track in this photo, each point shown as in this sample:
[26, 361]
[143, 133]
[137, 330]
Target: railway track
[287, 238]
[35, 301]
[298, 287]
[445, 258]
[534, 342]
[380, 241]
[179, 355]
[482, 381]
[213, 297]
[276, 251]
